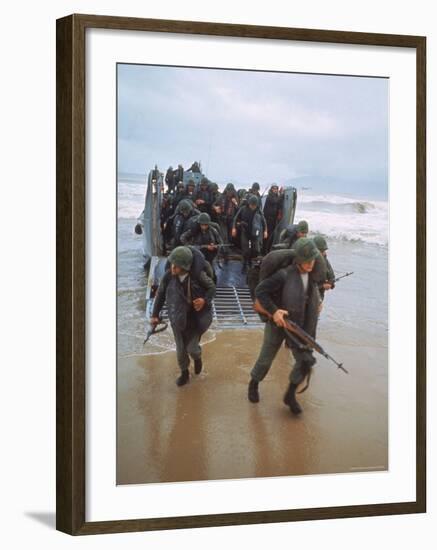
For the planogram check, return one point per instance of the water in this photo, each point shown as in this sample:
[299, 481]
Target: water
[356, 229]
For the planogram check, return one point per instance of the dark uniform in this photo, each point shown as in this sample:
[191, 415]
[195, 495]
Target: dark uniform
[180, 194]
[229, 202]
[194, 167]
[291, 234]
[179, 292]
[252, 224]
[179, 174]
[254, 191]
[329, 277]
[170, 180]
[273, 209]
[203, 197]
[184, 219]
[298, 294]
[200, 237]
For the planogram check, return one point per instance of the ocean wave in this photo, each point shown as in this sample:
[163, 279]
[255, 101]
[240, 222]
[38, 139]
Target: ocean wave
[359, 207]
[345, 218]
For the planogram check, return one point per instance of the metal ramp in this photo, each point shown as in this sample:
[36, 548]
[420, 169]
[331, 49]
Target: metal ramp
[233, 308]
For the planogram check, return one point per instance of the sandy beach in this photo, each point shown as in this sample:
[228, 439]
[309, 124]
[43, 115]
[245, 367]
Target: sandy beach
[208, 429]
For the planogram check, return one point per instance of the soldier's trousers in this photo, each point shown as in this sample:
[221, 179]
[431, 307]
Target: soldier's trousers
[249, 247]
[187, 344]
[274, 336]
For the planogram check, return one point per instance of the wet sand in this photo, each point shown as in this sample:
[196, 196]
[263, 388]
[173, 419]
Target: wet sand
[208, 429]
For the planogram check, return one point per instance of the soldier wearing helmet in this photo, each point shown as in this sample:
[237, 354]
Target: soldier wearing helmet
[329, 281]
[253, 229]
[188, 292]
[290, 292]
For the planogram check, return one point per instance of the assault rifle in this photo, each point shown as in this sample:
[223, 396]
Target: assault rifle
[214, 244]
[303, 338]
[155, 330]
[343, 276]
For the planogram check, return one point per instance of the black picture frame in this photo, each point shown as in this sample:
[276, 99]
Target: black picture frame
[71, 247]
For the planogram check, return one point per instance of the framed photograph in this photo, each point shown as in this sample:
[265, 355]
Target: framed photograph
[241, 230]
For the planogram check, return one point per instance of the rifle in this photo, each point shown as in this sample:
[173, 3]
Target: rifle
[343, 276]
[155, 330]
[303, 337]
[214, 244]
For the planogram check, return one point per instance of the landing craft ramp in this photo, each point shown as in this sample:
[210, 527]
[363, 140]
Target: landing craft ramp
[232, 306]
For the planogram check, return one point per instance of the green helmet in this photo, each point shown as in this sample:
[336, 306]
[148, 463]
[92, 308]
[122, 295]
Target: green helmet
[185, 206]
[306, 250]
[253, 200]
[204, 219]
[302, 226]
[230, 187]
[181, 257]
[255, 186]
[320, 242]
[191, 183]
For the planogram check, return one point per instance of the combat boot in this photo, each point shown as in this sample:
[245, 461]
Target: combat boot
[252, 393]
[198, 365]
[183, 378]
[290, 399]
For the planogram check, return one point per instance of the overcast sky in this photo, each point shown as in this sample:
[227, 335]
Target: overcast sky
[331, 132]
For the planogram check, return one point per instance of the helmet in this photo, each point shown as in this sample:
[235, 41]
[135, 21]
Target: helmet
[302, 226]
[253, 200]
[185, 206]
[204, 219]
[320, 242]
[255, 186]
[306, 250]
[181, 257]
[191, 183]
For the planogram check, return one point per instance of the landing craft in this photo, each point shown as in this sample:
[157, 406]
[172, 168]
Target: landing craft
[232, 306]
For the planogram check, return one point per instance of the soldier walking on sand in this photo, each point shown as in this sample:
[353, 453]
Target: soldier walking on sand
[289, 293]
[188, 292]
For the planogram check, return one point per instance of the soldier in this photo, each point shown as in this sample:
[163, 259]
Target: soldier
[254, 190]
[329, 282]
[180, 193]
[203, 198]
[229, 201]
[179, 174]
[188, 295]
[191, 190]
[215, 193]
[242, 195]
[253, 229]
[290, 292]
[273, 208]
[183, 220]
[291, 234]
[170, 180]
[204, 234]
[167, 209]
[194, 167]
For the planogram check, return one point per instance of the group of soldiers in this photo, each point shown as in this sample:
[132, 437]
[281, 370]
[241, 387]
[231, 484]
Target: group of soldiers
[202, 216]
[288, 283]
